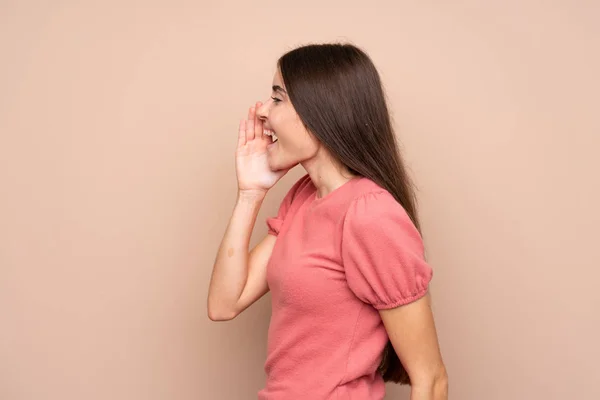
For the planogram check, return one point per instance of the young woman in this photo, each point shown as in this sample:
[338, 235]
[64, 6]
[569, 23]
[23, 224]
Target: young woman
[343, 258]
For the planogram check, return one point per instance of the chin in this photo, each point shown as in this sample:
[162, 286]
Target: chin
[273, 165]
[280, 166]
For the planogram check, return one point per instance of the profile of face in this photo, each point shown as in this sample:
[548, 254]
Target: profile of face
[294, 143]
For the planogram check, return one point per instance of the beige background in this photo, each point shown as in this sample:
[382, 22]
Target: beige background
[118, 128]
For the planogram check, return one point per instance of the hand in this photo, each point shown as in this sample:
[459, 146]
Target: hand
[252, 166]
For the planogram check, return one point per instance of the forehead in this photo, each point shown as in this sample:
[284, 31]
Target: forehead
[277, 78]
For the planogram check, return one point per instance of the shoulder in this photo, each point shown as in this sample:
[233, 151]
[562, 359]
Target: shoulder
[370, 202]
[382, 251]
[374, 210]
[288, 204]
[303, 182]
[300, 188]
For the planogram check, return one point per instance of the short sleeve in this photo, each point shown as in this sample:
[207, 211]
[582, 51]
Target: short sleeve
[383, 253]
[274, 223]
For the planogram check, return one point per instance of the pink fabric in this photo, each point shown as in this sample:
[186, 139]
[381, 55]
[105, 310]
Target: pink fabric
[336, 262]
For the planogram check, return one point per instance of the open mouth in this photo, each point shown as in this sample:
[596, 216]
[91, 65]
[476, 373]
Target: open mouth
[271, 134]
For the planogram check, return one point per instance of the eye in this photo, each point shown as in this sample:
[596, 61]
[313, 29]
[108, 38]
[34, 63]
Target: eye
[276, 100]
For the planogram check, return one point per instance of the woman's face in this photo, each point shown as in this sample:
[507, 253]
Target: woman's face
[294, 143]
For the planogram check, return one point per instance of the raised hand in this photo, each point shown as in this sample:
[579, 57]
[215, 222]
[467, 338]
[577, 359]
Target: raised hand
[252, 166]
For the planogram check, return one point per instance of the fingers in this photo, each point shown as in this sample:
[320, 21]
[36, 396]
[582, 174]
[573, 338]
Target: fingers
[250, 124]
[242, 133]
[250, 128]
[258, 125]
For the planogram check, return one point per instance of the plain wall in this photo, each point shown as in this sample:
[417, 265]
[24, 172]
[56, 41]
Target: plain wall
[118, 128]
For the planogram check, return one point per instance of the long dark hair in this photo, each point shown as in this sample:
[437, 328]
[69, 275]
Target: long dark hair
[337, 93]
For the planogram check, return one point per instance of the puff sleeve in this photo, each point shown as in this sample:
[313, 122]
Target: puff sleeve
[274, 223]
[383, 253]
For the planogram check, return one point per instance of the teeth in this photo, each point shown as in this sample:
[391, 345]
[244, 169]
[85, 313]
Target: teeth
[270, 133]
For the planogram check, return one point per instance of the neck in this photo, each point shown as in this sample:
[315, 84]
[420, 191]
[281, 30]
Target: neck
[326, 174]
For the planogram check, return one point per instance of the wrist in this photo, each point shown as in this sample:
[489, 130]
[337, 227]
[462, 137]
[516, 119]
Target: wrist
[430, 389]
[251, 195]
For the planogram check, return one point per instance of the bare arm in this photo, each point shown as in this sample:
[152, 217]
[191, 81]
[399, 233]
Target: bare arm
[412, 332]
[239, 278]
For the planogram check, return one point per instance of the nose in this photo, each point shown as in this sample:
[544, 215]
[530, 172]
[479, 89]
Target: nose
[263, 111]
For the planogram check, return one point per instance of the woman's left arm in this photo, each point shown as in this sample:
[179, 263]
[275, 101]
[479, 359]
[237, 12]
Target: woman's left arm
[411, 330]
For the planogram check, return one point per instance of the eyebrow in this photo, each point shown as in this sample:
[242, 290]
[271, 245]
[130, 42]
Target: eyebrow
[277, 88]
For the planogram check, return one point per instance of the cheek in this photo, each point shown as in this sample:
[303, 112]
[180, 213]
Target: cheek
[277, 118]
[293, 136]
[303, 144]
[312, 145]
[284, 119]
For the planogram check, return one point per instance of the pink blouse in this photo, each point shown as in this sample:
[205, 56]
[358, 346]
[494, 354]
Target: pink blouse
[337, 261]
